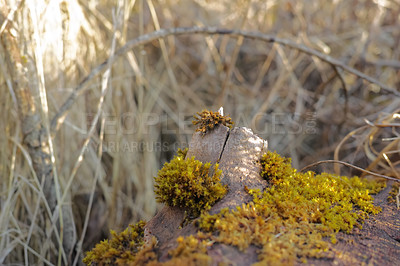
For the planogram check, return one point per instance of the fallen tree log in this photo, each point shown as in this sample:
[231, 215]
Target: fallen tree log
[238, 153]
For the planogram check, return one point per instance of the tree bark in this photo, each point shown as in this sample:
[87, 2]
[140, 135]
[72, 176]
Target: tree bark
[237, 152]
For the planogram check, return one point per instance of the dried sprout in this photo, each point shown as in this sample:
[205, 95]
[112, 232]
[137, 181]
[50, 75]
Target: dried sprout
[208, 120]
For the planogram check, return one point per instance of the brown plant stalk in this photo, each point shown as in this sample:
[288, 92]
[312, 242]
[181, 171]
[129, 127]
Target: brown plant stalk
[35, 136]
[163, 33]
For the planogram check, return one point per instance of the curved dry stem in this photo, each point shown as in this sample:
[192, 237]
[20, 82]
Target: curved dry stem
[336, 153]
[349, 165]
[141, 40]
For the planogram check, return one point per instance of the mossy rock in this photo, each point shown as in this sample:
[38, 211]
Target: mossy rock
[229, 232]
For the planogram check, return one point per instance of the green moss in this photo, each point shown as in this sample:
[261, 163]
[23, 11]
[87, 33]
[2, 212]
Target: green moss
[275, 168]
[291, 218]
[182, 153]
[119, 249]
[186, 183]
[191, 250]
[208, 120]
[147, 254]
[296, 217]
[126, 248]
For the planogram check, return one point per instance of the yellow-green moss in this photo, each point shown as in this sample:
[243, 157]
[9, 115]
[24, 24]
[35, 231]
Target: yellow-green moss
[186, 183]
[127, 248]
[120, 249]
[275, 168]
[207, 120]
[182, 153]
[290, 221]
[290, 218]
[191, 251]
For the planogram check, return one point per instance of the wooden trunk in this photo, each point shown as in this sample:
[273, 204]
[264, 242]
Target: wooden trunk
[238, 152]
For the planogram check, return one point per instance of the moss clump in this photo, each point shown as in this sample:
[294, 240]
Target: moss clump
[127, 248]
[290, 219]
[182, 153]
[120, 249]
[186, 183]
[275, 168]
[208, 120]
[191, 250]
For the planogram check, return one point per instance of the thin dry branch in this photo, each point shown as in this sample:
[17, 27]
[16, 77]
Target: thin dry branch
[141, 40]
[10, 16]
[349, 165]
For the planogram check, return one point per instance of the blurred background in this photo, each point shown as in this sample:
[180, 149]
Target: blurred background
[300, 104]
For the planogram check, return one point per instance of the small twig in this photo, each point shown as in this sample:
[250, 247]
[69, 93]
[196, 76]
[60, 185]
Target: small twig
[10, 16]
[349, 165]
[381, 125]
[141, 40]
[384, 63]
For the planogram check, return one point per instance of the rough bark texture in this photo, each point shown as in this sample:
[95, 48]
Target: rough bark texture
[238, 152]
[377, 243]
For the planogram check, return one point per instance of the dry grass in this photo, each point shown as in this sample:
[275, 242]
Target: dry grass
[129, 120]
